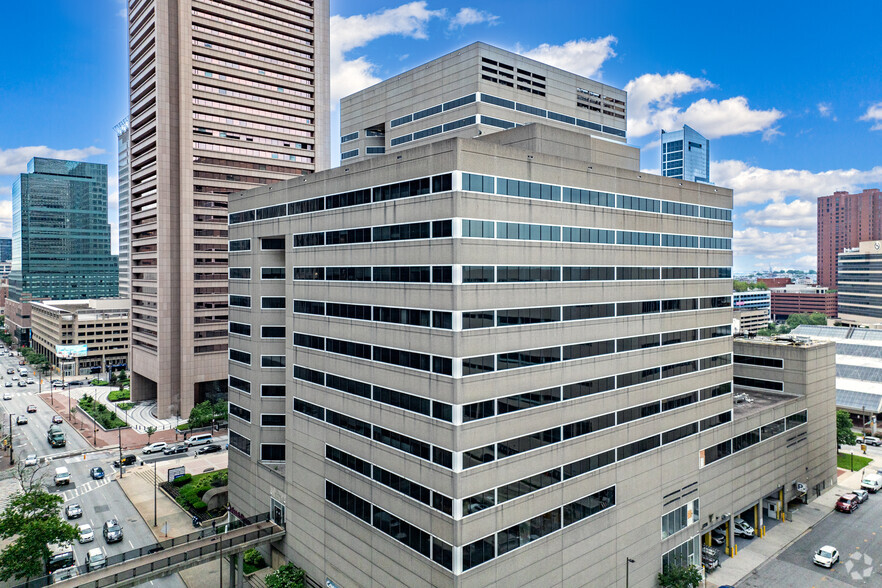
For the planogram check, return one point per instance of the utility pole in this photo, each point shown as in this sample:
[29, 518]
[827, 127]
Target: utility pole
[155, 484]
[628, 562]
[121, 466]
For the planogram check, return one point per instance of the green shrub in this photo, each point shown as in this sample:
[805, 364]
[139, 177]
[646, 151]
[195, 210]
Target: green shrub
[199, 505]
[126, 405]
[201, 492]
[97, 382]
[254, 558]
[117, 395]
[182, 480]
[287, 576]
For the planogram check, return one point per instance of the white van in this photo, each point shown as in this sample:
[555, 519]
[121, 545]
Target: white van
[62, 476]
[872, 482]
[95, 559]
[200, 439]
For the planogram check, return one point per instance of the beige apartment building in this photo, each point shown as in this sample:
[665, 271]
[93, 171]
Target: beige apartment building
[225, 95]
[102, 326]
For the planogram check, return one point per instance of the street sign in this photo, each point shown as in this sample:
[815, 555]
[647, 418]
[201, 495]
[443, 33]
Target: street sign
[174, 473]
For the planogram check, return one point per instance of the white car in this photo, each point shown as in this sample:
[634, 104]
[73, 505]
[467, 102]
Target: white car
[86, 533]
[8, 395]
[743, 529]
[14, 378]
[826, 556]
[154, 447]
[30, 380]
[31, 460]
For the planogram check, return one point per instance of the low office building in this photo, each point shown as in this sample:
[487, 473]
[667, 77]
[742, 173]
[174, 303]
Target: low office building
[775, 282]
[802, 299]
[100, 326]
[750, 321]
[752, 299]
[860, 276]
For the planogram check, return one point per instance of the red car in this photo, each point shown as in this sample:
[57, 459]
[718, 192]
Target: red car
[57, 420]
[847, 503]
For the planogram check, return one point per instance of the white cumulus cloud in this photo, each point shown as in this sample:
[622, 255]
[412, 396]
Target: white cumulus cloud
[5, 190]
[5, 218]
[767, 245]
[472, 16]
[651, 107]
[15, 161]
[352, 32]
[797, 213]
[825, 109]
[583, 57]
[756, 185]
[874, 115]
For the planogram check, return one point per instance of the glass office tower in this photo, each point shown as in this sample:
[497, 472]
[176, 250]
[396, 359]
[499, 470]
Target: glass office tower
[60, 233]
[685, 154]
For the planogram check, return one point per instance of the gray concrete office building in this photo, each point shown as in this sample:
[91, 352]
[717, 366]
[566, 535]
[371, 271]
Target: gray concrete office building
[476, 90]
[224, 95]
[124, 230]
[505, 360]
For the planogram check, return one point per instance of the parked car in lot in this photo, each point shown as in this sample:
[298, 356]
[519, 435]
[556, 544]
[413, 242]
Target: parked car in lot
[22, 384]
[213, 448]
[847, 503]
[112, 531]
[32, 408]
[875, 441]
[96, 473]
[862, 495]
[826, 556]
[174, 449]
[21, 420]
[154, 447]
[57, 420]
[73, 511]
[86, 533]
[742, 529]
[30, 380]
[8, 385]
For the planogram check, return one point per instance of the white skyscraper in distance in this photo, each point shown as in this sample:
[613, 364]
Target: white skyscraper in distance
[685, 154]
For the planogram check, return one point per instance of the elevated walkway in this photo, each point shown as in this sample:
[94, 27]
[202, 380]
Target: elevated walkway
[135, 567]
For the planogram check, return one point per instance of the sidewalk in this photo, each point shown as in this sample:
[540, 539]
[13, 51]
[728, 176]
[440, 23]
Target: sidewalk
[800, 519]
[138, 484]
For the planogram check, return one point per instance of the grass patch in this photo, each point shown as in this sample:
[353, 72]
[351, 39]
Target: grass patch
[105, 417]
[97, 382]
[126, 405]
[117, 395]
[844, 461]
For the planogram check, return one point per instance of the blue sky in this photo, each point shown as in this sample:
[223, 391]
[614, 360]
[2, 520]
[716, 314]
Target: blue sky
[789, 92]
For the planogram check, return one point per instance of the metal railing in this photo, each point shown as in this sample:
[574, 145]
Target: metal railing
[133, 554]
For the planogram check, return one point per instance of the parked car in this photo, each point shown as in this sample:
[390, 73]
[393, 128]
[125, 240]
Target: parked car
[875, 441]
[21, 420]
[112, 531]
[8, 395]
[73, 511]
[174, 449]
[57, 420]
[86, 533]
[97, 473]
[31, 460]
[213, 448]
[718, 536]
[872, 482]
[32, 408]
[847, 503]
[8, 385]
[743, 529]
[862, 495]
[154, 447]
[129, 459]
[200, 439]
[826, 556]
[57, 383]
[95, 559]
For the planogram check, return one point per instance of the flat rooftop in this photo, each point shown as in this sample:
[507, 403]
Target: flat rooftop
[790, 340]
[748, 402]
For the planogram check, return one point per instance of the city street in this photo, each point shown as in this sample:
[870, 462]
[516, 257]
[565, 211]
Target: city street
[100, 500]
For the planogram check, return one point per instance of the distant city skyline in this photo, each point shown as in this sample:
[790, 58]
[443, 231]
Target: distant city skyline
[782, 136]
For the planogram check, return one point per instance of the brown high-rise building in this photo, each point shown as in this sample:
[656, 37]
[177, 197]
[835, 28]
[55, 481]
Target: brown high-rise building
[225, 95]
[844, 220]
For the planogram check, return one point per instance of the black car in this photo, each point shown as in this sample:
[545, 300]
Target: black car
[173, 449]
[212, 448]
[112, 531]
[126, 460]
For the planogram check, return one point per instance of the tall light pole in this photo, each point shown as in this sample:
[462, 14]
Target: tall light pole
[628, 562]
[11, 460]
[155, 484]
[121, 466]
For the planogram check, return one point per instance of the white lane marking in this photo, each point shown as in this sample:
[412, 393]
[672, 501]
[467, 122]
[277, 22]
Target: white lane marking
[130, 543]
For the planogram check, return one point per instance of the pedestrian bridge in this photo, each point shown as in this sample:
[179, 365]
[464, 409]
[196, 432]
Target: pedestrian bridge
[138, 566]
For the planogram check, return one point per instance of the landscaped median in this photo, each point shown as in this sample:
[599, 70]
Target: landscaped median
[188, 491]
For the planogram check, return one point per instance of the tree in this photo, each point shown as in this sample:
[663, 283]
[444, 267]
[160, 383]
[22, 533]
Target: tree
[150, 431]
[200, 415]
[287, 576]
[32, 519]
[677, 576]
[844, 434]
[219, 410]
[815, 318]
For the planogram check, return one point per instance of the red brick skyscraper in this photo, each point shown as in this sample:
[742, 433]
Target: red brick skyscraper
[844, 220]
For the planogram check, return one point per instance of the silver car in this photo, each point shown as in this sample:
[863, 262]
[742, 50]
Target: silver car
[86, 533]
[862, 495]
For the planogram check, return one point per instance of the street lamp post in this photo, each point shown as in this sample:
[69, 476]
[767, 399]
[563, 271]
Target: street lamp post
[155, 484]
[11, 460]
[121, 466]
[628, 562]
